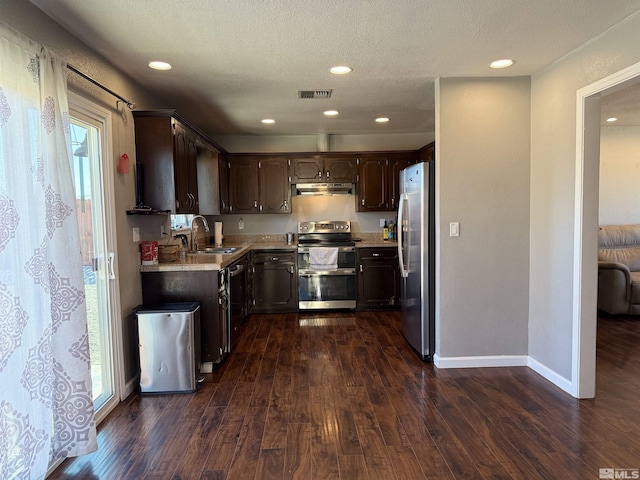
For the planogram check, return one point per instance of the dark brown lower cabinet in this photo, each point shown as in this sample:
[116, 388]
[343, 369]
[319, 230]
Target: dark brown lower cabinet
[378, 278]
[194, 286]
[274, 281]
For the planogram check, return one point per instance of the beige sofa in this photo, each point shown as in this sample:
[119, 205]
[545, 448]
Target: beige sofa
[619, 269]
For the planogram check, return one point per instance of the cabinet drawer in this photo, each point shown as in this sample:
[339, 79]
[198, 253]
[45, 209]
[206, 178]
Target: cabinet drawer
[378, 253]
[274, 256]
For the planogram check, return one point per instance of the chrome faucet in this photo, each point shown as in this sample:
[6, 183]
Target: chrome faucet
[194, 246]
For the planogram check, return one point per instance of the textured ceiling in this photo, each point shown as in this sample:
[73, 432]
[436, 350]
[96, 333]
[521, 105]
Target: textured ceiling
[238, 61]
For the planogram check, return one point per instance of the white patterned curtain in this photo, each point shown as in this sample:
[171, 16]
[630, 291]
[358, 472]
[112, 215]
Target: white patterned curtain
[46, 407]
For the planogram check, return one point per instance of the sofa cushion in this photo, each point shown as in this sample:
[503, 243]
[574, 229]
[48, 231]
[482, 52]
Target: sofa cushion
[620, 243]
[629, 256]
[635, 287]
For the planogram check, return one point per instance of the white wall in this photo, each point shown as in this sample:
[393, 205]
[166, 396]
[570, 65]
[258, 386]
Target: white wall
[553, 160]
[482, 141]
[619, 175]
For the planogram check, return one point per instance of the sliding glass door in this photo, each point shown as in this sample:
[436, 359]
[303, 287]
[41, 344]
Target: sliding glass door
[94, 189]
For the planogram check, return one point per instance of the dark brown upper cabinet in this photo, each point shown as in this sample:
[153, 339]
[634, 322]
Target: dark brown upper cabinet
[223, 169]
[275, 193]
[378, 180]
[171, 153]
[324, 168]
[258, 184]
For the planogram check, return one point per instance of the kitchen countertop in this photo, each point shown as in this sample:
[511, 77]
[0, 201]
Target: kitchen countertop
[370, 243]
[209, 261]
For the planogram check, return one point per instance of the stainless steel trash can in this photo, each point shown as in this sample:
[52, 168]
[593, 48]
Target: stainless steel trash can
[169, 340]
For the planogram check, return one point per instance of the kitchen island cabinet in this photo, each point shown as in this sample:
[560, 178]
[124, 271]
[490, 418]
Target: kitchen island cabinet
[191, 286]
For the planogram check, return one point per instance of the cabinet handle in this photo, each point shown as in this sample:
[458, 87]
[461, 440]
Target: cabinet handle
[328, 172]
[376, 254]
[275, 259]
[363, 202]
[260, 207]
[361, 269]
[255, 204]
[291, 269]
[393, 202]
[285, 205]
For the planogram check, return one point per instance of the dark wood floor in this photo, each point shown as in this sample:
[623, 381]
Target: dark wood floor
[342, 396]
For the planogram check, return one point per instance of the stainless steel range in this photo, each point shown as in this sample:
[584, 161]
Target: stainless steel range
[326, 266]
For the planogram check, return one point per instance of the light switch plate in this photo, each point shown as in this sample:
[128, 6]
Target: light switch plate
[454, 229]
[136, 234]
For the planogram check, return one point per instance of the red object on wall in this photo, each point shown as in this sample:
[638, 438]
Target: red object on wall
[123, 164]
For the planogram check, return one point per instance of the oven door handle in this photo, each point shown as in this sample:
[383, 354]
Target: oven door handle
[316, 273]
[340, 249]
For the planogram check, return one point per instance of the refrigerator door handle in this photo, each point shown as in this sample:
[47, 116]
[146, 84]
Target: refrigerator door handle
[403, 272]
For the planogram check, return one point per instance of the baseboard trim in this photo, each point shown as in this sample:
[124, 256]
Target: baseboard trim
[130, 387]
[506, 361]
[481, 362]
[552, 376]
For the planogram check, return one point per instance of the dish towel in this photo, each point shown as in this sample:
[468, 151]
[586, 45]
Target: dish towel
[323, 258]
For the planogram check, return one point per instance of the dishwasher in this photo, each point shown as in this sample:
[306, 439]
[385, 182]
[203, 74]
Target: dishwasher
[169, 341]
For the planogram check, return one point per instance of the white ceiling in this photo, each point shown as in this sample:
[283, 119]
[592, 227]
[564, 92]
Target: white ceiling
[238, 61]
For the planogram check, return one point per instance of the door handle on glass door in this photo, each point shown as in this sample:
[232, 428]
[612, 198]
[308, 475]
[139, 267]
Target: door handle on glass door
[112, 273]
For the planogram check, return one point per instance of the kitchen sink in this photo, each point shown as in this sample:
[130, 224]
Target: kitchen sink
[216, 250]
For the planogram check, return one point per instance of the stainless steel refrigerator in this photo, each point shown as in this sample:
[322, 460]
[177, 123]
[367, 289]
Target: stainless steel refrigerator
[416, 252]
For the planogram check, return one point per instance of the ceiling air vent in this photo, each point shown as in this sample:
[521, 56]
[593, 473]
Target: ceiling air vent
[314, 93]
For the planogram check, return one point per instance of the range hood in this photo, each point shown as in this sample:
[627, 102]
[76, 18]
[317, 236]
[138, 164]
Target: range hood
[324, 188]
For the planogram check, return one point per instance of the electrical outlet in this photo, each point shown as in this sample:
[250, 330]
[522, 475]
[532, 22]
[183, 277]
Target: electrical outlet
[136, 234]
[241, 224]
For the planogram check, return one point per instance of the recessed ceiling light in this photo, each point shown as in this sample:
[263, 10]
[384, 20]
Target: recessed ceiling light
[612, 119]
[504, 63]
[157, 65]
[382, 119]
[331, 113]
[340, 70]
[268, 120]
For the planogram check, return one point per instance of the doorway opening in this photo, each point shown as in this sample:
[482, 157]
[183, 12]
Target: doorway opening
[586, 224]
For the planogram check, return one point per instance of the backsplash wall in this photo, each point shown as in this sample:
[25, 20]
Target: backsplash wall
[338, 207]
